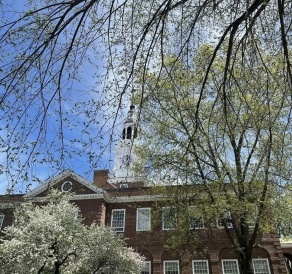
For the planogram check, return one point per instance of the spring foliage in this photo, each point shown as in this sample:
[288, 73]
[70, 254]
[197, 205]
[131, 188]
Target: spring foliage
[229, 149]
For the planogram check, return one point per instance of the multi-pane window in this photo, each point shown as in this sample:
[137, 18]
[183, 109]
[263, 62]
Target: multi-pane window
[226, 219]
[143, 222]
[252, 215]
[118, 220]
[200, 267]
[230, 267]
[1, 220]
[147, 268]
[196, 218]
[171, 267]
[261, 266]
[168, 218]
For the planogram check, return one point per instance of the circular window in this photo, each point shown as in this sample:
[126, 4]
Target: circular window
[67, 186]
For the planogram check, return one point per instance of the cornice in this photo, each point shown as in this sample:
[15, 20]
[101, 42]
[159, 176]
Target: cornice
[76, 197]
[140, 198]
[124, 180]
[8, 205]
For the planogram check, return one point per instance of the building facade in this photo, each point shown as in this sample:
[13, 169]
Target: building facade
[138, 214]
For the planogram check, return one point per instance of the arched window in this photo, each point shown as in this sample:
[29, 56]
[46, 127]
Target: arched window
[129, 132]
[135, 132]
[124, 134]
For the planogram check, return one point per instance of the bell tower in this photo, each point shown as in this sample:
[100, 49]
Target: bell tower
[124, 151]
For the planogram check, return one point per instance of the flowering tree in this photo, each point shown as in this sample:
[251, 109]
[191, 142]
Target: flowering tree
[52, 239]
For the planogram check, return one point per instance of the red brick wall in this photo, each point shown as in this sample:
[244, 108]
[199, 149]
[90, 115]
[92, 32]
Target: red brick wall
[213, 245]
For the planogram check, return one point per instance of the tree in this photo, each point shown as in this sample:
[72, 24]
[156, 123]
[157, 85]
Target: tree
[51, 238]
[232, 159]
[46, 47]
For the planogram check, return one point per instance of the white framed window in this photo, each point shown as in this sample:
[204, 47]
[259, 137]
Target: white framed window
[168, 218]
[200, 267]
[252, 217]
[1, 220]
[143, 220]
[226, 218]
[230, 267]
[170, 267]
[118, 220]
[147, 268]
[251, 224]
[261, 266]
[196, 218]
[67, 186]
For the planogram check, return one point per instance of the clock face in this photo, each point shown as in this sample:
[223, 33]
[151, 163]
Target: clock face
[126, 160]
[67, 186]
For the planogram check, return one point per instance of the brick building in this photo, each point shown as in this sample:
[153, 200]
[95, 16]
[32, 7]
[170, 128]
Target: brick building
[130, 208]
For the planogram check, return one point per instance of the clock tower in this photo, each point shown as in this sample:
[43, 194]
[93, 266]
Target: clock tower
[124, 151]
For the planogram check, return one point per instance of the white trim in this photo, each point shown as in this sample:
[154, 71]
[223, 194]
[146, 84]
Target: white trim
[120, 210]
[171, 261]
[230, 260]
[286, 245]
[261, 259]
[9, 205]
[137, 220]
[75, 197]
[104, 195]
[124, 180]
[60, 177]
[140, 198]
[205, 261]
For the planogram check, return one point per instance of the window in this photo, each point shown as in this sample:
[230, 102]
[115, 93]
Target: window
[252, 217]
[200, 267]
[129, 132]
[168, 218]
[230, 267]
[196, 218]
[67, 186]
[143, 222]
[251, 224]
[227, 219]
[118, 220]
[261, 266]
[171, 267]
[1, 220]
[147, 268]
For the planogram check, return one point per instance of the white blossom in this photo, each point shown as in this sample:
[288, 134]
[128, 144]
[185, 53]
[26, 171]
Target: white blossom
[49, 238]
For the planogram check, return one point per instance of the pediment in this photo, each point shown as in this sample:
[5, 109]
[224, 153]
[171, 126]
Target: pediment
[80, 186]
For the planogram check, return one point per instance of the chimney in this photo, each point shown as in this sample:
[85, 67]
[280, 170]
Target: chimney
[100, 178]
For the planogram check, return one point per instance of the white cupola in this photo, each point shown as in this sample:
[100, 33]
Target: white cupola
[124, 151]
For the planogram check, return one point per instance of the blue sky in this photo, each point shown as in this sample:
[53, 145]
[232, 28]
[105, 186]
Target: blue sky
[80, 96]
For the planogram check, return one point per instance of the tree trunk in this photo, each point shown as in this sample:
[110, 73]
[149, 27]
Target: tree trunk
[57, 268]
[246, 262]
